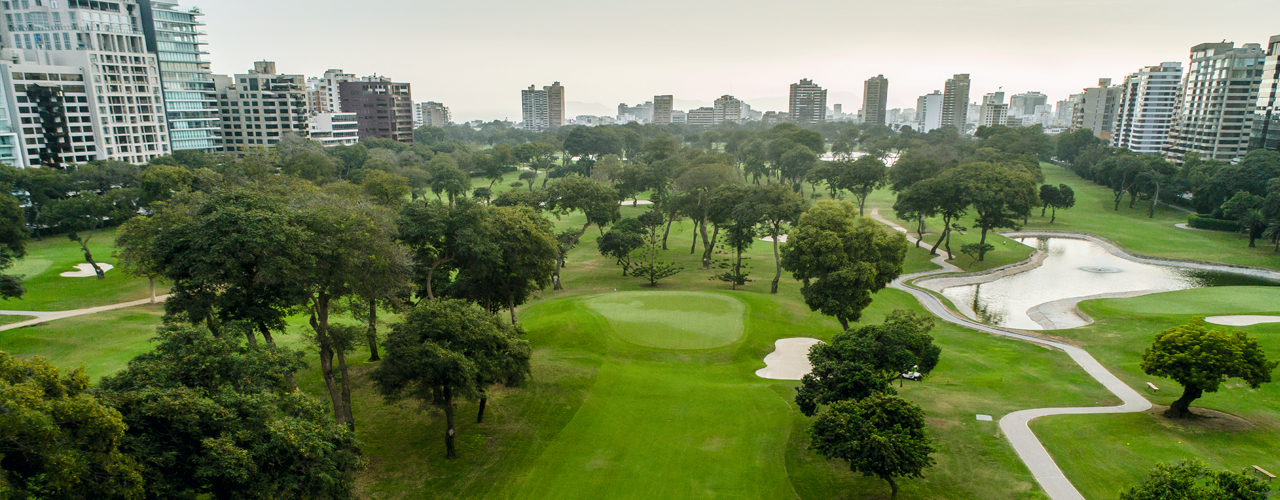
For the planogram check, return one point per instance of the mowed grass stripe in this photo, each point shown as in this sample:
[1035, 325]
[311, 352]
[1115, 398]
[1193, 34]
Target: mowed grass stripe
[672, 320]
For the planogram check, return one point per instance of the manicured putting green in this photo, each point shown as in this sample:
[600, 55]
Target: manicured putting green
[672, 320]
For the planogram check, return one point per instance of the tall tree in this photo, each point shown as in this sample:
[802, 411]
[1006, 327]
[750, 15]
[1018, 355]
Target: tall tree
[625, 237]
[1001, 197]
[1201, 359]
[882, 436]
[599, 203]
[447, 350]
[842, 259]
[778, 206]
[213, 417]
[1192, 480]
[440, 237]
[862, 362]
[13, 245]
[58, 439]
[862, 177]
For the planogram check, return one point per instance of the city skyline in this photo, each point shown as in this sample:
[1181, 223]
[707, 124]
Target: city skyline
[1055, 55]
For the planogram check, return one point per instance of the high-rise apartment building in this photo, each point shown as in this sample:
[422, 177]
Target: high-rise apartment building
[542, 109]
[929, 112]
[1146, 109]
[10, 146]
[994, 112]
[642, 113]
[383, 108]
[190, 98]
[434, 114]
[662, 107]
[875, 97]
[1215, 106]
[808, 103]
[727, 109]
[324, 94]
[955, 103]
[335, 129]
[259, 106]
[701, 116]
[1097, 109]
[1265, 133]
[81, 82]
[1025, 104]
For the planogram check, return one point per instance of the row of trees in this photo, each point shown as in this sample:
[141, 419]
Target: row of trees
[1247, 192]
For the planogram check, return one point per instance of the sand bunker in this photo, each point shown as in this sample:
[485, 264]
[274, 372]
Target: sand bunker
[1244, 320]
[789, 361]
[86, 271]
[782, 238]
[629, 203]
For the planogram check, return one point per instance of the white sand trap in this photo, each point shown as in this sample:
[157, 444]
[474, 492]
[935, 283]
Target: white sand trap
[86, 271]
[1244, 320]
[789, 361]
[629, 203]
[782, 238]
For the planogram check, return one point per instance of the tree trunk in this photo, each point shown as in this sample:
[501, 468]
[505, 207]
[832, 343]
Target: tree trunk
[737, 271]
[1182, 407]
[1044, 209]
[212, 323]
[320, 323]
[948, 245]
[945, 231]
[1119, 196]
[511, 304]
[893, 487]
[88, 257]
[371, 335]
[484, 399]
[152, 279]
[920, 227]
[450, 453]
[431, 272]
[982, 252]
[1055, 215]
[1154, 199]
[346, 391]
[667, 233]
[248, 334]
[709, 246]
[694, 247]
[843, 322]
[777, 260]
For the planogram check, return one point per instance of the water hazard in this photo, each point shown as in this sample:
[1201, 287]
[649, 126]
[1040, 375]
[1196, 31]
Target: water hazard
[1077, 268]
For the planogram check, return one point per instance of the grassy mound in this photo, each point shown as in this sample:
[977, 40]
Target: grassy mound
[672, 320]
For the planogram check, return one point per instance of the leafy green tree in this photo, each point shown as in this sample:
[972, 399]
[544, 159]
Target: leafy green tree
[859, 363]
[336, 235]
[1201, 359]
[57, 439]
[136, 253]
[1049, 195]
[942, 196]
[777, 206]
[89, 212]
[976, 250]
[1064, 199]
[625, 237]
[213, 417]
[794, 165]
[1001, 197]
[842, 259]
[446, 350]
[1248, 210]
[386, 189]
[161, 182]
[697, 183]
[651, 266]
[577, 194]
[881, 436]
[13, 245]
[517, 257]
[447, 178]
[741, 230]
[1192, 480]
[440, 237]
[862, 177]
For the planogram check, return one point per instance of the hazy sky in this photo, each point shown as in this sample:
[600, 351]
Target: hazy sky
[476, 55]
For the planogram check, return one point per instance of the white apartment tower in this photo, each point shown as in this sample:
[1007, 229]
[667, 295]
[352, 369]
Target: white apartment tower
[662, 108]
[190, 98]
[434, 114]
[929, 112]
[727, 109]
[1096, 110]
[1146, 111]
[1215, 105]
[542, 109]
[260, 106]
[81, 83]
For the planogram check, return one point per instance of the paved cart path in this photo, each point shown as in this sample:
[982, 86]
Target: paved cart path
[1015, 425]
[46, 316]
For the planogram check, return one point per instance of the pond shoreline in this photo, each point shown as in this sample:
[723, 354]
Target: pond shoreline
[1064, 313]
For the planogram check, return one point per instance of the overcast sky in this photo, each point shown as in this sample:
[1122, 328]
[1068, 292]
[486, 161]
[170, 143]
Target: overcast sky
[476, 55]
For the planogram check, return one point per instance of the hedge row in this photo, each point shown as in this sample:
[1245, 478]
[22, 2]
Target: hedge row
[1199, 222]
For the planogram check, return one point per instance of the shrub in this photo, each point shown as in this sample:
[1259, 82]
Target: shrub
[1212, 224]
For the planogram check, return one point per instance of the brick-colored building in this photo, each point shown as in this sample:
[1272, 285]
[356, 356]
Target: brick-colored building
[384, 109]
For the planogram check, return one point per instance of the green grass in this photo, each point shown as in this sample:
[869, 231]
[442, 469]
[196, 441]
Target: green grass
[1119, 449]
[672, 320]
[47, 290]
[101, 343]
[1131, 228]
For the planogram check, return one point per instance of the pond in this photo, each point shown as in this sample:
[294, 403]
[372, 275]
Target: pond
[1074, 269]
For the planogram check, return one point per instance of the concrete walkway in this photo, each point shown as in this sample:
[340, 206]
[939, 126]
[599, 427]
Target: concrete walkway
[1015, 426]
[46, 316]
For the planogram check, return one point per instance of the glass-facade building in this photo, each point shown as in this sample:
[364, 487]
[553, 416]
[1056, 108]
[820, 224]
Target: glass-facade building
[191, 104]
[1266, 119]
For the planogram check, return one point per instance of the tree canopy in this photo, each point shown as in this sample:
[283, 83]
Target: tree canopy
[1201, 359]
